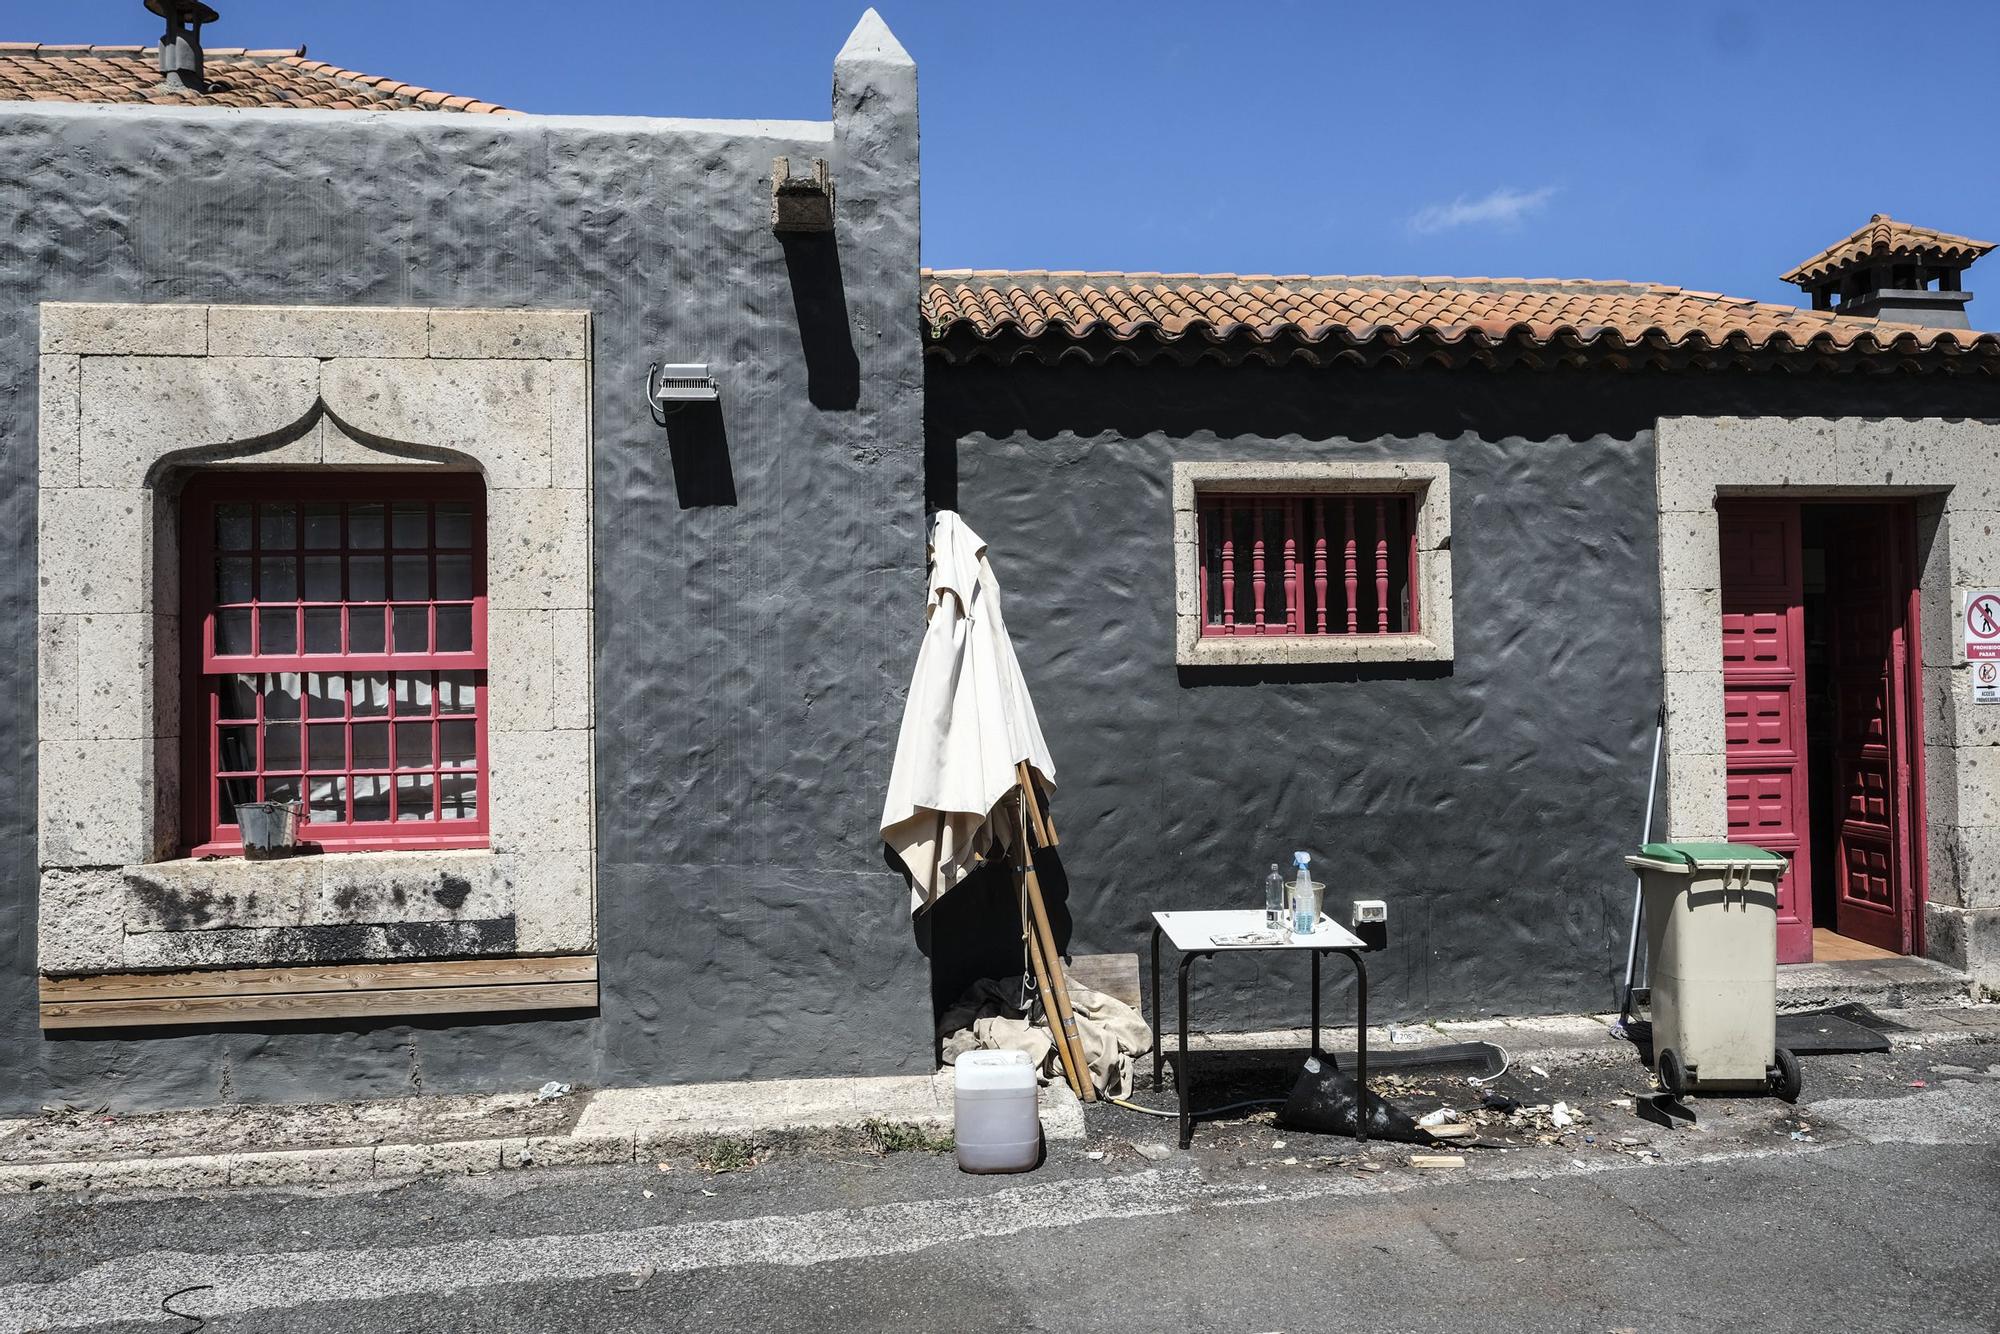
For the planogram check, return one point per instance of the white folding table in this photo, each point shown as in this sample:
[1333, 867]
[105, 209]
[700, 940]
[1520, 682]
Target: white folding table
[1199, 935]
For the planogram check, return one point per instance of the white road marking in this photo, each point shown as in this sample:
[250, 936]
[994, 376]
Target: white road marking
[130, 1287]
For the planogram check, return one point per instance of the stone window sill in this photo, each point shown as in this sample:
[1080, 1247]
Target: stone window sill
[1276, 650]
[222, 893]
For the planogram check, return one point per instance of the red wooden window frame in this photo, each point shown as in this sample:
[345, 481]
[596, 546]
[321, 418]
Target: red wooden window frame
[435, 692]
[1306, 565]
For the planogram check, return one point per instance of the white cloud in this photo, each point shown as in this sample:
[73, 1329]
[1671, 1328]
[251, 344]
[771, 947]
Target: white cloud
[1504, 207]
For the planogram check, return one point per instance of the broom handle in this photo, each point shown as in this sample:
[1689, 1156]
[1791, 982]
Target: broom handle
[1639, 881]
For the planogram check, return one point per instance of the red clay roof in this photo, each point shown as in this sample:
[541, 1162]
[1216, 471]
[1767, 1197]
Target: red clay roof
[36, 72]
[1884, 237]
[970, 314]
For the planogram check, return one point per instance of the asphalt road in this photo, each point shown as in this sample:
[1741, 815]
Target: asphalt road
[1880, 1216]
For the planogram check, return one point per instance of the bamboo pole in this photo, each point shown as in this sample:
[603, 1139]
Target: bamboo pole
[1074, 1070]
[1062, 1018]
[1038, 819]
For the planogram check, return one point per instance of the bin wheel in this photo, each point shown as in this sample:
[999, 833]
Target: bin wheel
[1788, 1080]
[1673, 1077]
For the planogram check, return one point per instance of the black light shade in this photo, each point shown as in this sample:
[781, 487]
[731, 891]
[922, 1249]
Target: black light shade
[182, 11]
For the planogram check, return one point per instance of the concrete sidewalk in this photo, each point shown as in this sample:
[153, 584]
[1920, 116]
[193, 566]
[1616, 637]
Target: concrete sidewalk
[217, 1147]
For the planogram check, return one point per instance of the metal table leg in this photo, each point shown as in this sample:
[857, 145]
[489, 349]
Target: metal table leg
[1360, 1038]
[1181, 1079]
[1315, 1003]
[1159, 1038]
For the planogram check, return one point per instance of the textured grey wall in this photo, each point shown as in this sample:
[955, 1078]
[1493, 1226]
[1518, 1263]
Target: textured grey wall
[1489, 799]
[758, 566]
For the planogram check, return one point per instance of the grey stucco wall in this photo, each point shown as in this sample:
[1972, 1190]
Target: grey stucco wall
[751, 561]
[1488, 799]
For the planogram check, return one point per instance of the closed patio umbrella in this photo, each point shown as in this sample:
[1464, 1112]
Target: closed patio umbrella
[967, 725]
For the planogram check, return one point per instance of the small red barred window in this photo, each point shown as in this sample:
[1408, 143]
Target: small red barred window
[1299, 565]
[337, 645]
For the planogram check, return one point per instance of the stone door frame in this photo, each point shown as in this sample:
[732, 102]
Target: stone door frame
[1951, 470]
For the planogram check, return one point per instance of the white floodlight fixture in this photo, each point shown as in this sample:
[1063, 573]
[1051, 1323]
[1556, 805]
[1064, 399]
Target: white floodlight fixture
[676, 382]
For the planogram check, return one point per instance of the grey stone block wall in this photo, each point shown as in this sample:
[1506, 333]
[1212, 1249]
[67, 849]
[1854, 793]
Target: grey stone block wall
[752, 560]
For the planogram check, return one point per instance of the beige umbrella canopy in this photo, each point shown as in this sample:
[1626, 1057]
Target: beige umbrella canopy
[967, 725]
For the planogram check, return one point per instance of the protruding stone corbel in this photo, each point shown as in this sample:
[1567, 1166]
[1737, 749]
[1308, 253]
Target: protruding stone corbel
[801, 204]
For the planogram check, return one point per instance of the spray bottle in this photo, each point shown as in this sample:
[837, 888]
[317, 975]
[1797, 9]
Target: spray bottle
[1305, 914]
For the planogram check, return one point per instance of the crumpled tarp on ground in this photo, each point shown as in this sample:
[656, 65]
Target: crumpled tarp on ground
[988, 1018]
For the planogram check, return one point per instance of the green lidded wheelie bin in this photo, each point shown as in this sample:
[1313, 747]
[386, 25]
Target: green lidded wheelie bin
[1712, 946]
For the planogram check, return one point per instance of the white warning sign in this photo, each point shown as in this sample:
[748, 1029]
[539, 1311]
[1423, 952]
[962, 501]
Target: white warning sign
[1982, 624]
[1986, 682]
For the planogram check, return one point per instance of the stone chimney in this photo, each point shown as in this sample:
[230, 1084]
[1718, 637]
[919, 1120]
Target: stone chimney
[1891, 270]
[180, 45]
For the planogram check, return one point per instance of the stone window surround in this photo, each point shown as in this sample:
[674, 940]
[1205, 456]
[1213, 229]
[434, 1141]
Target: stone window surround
[134, 397]
[1428, 483]
[1951, 470]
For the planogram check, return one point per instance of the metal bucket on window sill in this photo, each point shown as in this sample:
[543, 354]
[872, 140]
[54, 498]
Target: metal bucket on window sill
[270, 828]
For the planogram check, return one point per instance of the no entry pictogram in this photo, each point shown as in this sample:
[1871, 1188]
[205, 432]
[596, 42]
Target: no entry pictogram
[1982, 624]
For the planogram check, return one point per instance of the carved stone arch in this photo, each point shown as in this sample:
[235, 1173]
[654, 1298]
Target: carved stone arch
[304, 443]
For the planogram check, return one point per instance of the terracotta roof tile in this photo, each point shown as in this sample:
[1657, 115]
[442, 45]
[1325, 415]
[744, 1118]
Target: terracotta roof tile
[1539, 322]
[1884, 237]
[35, 72]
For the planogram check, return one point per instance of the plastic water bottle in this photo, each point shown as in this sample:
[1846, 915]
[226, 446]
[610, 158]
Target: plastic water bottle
[1305, 915]
[1274, 899]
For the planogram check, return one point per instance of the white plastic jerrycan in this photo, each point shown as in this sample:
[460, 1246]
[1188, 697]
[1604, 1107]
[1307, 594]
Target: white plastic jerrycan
[996, 1125]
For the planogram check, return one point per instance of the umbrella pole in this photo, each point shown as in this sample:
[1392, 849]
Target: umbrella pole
[1040, 822]
[1049, 969]
[1074, 1073]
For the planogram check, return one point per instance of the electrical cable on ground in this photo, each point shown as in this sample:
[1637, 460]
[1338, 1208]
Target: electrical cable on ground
[1506, 1064]
[1205, 1111]
[200, 1322]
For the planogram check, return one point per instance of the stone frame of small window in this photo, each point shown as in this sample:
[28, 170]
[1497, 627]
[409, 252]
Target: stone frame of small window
[133, 399]
[1428, 484]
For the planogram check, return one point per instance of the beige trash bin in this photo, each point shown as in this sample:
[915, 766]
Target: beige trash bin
[1712, 950]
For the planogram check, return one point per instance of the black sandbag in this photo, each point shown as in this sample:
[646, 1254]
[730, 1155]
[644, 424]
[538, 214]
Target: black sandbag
[1324, 1102]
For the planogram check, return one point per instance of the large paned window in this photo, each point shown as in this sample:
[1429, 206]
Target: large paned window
[337, 645]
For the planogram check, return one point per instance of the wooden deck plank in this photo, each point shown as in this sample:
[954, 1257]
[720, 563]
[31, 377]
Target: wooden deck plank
[1116, 975]
[245, 1009]
[353, 977]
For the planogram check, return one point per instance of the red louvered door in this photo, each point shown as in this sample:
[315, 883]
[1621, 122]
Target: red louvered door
[1869, 655]
[1764, 700]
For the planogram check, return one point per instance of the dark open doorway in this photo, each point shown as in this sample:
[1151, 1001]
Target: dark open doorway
[1822, 716]
[1862, 727]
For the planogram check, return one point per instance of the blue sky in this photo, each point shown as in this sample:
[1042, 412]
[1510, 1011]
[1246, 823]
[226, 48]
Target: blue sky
[1702, 142]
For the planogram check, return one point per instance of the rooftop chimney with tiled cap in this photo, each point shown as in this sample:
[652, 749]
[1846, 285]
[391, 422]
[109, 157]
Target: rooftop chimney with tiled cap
[1891, 270]
[180, 45]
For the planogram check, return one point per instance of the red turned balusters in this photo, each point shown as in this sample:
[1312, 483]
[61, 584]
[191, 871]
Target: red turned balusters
[1294, 621]
[1241, 595]
[1352, 579]
[1228, 568]
[1319, 562]
[1257, 561]
[1381, 567]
